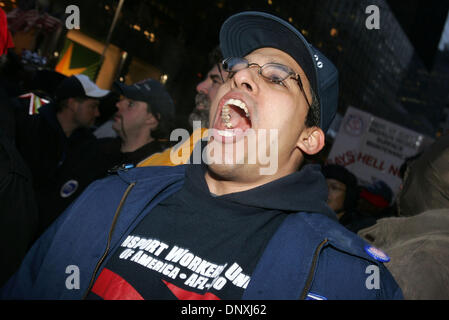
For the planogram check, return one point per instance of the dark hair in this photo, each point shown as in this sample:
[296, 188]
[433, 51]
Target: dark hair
[313, 114]
[215, 56]
[340, 173]
[62, 104]
[165, 126]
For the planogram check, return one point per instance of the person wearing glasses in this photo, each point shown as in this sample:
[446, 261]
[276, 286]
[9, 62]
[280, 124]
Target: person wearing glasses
[222, 230]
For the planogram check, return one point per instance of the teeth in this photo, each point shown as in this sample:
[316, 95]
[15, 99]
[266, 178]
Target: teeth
[225, 133]
[226, 117]
[226, 113]
[237, 103]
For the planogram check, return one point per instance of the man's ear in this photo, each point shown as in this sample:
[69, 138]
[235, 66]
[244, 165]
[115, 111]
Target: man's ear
[72, 104]
[311, 140]
[153, 120]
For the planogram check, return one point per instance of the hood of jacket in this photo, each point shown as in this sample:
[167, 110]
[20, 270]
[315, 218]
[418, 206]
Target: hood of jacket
[426, 184]
[302, 191]
[397, 231]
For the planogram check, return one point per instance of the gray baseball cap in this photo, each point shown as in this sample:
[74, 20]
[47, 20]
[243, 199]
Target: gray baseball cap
[79, 86]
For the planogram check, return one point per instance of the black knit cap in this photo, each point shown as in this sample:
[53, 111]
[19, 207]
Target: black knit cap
[339, 173]
[247, 31]
[343, 175]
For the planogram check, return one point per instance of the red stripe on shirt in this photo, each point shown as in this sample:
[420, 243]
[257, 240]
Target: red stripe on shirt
[182, 294]
[111, 286]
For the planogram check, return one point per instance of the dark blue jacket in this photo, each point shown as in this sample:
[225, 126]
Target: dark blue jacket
[310, 256]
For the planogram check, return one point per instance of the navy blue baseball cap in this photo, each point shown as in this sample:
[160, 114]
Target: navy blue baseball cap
[152, 92]
[247, 31]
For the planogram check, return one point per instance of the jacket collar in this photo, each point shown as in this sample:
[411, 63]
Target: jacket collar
[320, 225]
[142, 174]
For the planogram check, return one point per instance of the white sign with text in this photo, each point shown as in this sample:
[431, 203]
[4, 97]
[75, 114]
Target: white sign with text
[373, 148]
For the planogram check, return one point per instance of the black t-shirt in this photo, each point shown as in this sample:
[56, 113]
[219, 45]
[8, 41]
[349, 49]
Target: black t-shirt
[193, 245]
[91, 162]
[109, 149]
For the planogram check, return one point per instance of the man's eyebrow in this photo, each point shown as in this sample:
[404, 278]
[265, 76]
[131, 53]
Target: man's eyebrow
[271, 60]
[281, 63]
[215, 77]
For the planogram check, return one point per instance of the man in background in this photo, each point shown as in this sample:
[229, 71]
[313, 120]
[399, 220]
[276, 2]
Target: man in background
[199, 117]
[143, 122]
[343, 192]
[55, 133]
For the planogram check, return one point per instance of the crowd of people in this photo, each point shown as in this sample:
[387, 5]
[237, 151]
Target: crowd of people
[140, 226]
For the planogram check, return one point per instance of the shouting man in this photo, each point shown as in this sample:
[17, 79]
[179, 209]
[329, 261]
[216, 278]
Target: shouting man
[223, 229]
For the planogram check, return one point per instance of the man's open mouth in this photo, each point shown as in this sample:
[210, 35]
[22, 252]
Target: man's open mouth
[234, 119]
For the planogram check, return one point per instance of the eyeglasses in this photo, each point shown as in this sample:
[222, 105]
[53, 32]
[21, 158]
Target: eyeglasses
[219, 71]
[272, 72]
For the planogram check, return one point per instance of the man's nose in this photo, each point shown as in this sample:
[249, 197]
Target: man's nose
[245, 79]
[203, 87]
[120, 104]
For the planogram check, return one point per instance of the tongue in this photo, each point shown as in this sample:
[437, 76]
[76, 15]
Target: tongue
[238, 118]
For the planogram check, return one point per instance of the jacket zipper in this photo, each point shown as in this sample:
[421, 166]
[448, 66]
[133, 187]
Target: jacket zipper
[312, 269]
[111, 230]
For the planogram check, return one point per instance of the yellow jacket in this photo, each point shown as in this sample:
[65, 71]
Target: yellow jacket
[184, 151]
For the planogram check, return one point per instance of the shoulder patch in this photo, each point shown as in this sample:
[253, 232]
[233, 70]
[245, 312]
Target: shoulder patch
[377, 254]
[68, 188]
